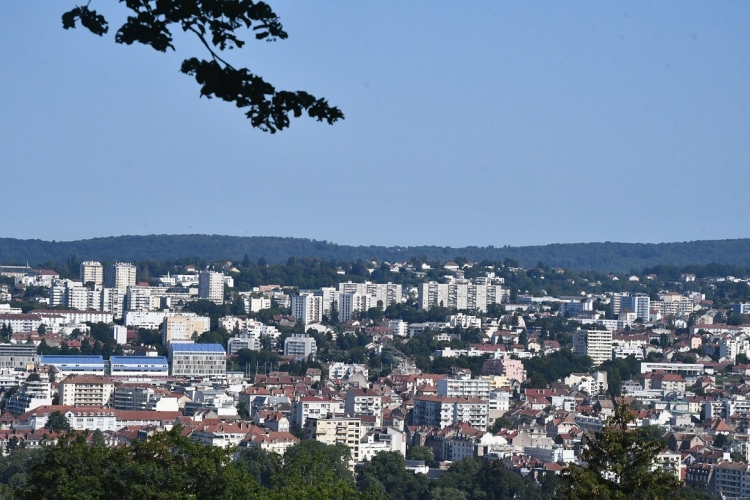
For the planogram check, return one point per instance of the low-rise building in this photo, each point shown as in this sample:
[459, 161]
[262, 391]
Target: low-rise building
[197, 360]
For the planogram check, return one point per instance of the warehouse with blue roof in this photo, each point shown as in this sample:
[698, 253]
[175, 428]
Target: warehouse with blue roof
[138, 367]
[74, 365]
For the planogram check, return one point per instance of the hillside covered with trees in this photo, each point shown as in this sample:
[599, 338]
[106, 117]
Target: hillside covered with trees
[605, 257]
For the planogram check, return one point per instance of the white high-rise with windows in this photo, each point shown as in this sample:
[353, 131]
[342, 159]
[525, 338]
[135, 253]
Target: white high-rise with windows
[119, 275]
[211, 286]
[460, 295]
[307, 308]
[596, 344]
[92, 272]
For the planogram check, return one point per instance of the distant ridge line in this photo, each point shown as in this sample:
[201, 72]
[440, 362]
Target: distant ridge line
[599, 256]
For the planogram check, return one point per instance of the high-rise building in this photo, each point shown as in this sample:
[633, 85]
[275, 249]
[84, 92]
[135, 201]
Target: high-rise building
[211, 286]
[119, 275]
[460, 295]
[353, 302]
[596, 344]
[73, 295]
[307, 308]
[92, 272]
[639, 303]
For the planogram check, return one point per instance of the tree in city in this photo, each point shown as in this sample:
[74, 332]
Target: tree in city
[57, 422]
[620, 463]
[217, 24]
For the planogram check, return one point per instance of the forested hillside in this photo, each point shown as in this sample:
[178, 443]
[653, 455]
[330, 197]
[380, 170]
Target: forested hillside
[604, 257]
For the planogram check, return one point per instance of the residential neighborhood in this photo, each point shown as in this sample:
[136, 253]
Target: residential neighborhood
[461, 362]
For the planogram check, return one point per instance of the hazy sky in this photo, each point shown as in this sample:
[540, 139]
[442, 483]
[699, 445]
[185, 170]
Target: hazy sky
[467, 123]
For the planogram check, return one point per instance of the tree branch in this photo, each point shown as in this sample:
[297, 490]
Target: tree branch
[213, 54]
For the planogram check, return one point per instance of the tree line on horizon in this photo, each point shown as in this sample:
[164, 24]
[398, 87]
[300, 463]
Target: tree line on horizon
[605, 257]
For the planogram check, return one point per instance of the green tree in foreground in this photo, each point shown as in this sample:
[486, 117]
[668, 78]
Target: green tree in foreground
[620, 464]
[170, 466]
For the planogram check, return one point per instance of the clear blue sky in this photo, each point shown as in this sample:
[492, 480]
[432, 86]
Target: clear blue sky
[467, 123]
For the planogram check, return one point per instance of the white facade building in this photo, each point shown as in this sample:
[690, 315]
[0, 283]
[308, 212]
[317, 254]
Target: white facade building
[211, 286]
[119, 275]
[596, 344]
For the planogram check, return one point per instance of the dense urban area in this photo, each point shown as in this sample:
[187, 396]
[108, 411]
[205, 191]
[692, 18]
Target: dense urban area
[417, 379]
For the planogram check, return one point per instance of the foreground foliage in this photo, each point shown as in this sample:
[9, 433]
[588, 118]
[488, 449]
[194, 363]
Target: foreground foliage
[170, 466]
[620, 464]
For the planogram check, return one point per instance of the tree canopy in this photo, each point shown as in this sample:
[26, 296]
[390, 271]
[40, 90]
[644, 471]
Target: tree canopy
[620, 463]
[217, 24]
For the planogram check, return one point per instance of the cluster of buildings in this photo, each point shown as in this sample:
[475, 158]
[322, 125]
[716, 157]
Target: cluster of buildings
[690, 380]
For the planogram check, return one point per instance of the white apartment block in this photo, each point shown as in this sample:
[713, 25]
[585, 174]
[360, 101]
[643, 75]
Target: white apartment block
[243, 341]
[351, 303]
[139, 298]
[339, 370]
[399, 328]
[314, 407]
[364, 402]
[442, 412]
[307, 308]
[119, 275]
[113, 301]
[300, 346]
[211, 286]
[119, 333]
[460, 296]
[256, 304]
[382, 294]
[470, 388]
[81, 390]
[73, 295]
[596, 344]
[92, 272]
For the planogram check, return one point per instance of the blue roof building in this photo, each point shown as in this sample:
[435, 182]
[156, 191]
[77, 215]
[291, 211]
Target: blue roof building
[138, 367]
[74, 365]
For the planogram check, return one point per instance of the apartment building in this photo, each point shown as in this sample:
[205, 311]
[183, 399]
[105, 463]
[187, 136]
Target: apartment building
[182, 327]
[381, 294]
[364, 402]
[463, 387]
[33, 394]
[119, 275]
[300, 346]
[596, 344]
[74, 295]
[197, 360]
[315, 407]
[353, 303]
[460, 295]
[443, 411]
[142, 397]
[307, 308]
[732, 480]
[77, 390]
[92, 272]
[338, 430]
[211, 286]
